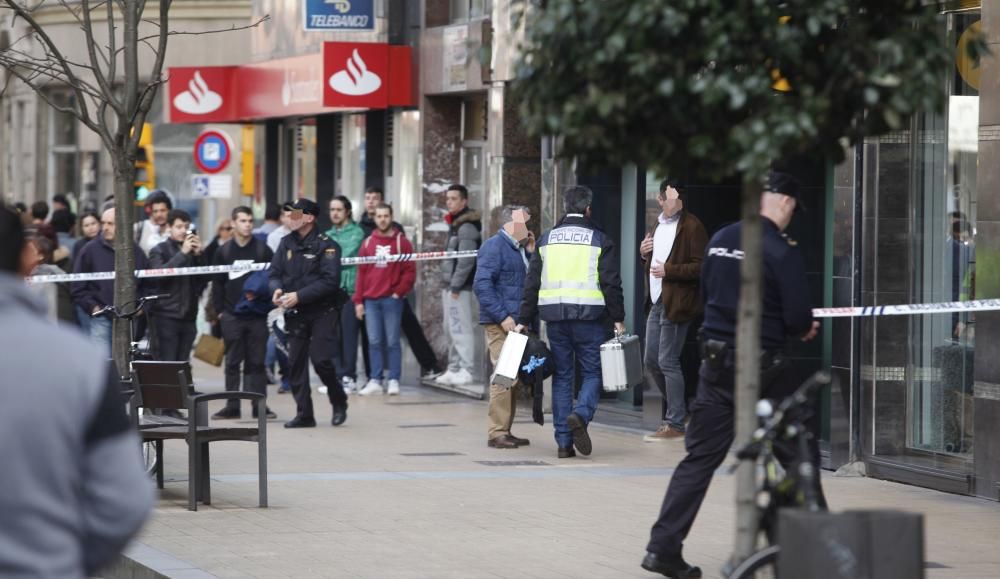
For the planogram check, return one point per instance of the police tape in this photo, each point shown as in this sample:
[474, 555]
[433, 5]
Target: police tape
[245, 267]
[908, 309]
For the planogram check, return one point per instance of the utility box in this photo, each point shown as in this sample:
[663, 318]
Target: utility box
[851, 545]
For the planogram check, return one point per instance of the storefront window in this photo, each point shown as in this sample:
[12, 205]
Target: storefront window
[943, 184]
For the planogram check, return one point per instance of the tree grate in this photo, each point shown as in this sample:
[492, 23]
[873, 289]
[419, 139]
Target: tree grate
[513, 463]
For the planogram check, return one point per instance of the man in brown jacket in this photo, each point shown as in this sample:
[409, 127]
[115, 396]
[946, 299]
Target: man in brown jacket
[672, 254]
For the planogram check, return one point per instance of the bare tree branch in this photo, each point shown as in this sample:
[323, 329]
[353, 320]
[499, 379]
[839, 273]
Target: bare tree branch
[113, 64]
[104, 82]
[233, 28]
[74, 82]
[149, 91]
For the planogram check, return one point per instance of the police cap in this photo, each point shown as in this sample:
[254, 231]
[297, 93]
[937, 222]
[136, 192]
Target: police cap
[307, 206]
[785, 184]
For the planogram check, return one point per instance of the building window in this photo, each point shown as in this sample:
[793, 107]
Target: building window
[64, 158]
[465, 10]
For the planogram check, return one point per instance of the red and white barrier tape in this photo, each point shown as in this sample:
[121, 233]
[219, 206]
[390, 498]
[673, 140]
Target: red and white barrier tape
[217, 269]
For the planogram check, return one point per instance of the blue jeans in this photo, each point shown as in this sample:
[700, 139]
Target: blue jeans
[664, 342]
[383, 318]
[346, 359]
[100, 332]
[581, 340]
[83, 319]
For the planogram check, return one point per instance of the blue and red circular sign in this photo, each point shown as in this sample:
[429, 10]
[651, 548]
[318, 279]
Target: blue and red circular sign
[212, 151]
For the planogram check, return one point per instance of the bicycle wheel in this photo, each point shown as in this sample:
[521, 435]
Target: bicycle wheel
[762, 564]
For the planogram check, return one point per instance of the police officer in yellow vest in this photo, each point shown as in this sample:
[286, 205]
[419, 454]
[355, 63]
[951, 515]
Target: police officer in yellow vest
[574, 285]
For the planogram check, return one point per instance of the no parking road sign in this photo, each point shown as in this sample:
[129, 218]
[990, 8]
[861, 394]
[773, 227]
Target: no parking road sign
[212, 151]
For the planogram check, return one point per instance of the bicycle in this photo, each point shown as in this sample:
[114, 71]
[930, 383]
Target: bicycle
[135, 352]
[795, 488]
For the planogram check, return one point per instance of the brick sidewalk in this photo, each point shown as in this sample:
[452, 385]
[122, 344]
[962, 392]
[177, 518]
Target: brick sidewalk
[405, 489]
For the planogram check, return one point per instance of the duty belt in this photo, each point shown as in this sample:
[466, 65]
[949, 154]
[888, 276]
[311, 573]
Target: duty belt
[719, 355]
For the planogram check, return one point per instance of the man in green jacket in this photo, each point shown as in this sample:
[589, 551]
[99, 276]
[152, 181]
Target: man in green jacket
[348, 235]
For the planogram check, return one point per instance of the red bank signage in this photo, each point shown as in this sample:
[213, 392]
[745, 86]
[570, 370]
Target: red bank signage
[345, 76]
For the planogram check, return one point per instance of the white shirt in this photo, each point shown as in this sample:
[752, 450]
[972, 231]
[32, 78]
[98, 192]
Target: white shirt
[274, 238]
[150, 235]
[663, 244]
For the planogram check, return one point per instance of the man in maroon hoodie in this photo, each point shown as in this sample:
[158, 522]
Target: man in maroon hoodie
[378, 298]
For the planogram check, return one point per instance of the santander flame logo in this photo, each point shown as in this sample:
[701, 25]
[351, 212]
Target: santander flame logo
[356, 80]
[198, 99]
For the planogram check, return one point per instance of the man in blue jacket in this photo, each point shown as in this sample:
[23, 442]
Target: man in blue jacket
[501, 266]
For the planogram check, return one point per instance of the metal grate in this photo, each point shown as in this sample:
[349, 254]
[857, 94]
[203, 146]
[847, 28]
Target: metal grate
[424, 403]
[513, 463]
[431, 454]
[424, 425]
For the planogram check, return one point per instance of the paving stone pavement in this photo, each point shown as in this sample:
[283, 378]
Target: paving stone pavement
[405, 490]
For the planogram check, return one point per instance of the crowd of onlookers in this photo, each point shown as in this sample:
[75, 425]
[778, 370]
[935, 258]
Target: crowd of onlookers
[373, 315]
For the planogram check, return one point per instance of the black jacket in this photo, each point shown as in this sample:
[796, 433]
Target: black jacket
[99, 255]
[787, 312]
[309, 266]
[226, 293]
[185, 291]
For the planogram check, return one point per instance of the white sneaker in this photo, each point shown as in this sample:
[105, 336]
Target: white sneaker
[447, 378]
[322, 389]
[461, 377]
[393, 388]
[349, 384]
[372, 387]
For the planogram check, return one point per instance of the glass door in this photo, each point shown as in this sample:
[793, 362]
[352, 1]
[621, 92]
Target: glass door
[943, 184]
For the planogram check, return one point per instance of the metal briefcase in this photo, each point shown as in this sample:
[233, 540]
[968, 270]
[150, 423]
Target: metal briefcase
[509, 362]
[621, 363]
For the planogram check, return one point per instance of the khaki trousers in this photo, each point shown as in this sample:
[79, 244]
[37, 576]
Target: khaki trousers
[503, 401]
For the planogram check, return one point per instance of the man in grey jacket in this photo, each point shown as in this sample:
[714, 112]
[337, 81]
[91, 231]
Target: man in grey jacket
[74, 489]
[465, 232]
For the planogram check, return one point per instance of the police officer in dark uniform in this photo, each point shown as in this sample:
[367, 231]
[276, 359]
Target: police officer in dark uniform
[786, 314]
[305, 280]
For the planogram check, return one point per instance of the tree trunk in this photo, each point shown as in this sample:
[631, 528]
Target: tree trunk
[748, 365]
[125, 281]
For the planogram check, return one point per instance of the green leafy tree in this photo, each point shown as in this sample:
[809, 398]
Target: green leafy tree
[724, 88]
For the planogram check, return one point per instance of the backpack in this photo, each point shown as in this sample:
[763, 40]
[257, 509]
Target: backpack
[256, 297]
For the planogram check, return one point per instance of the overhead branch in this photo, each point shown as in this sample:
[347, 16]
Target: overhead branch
[104, 82]
[155, 77]
[234, 28]
[50, 47]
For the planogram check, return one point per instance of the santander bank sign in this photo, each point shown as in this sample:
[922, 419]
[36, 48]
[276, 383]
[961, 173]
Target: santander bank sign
[345, 75]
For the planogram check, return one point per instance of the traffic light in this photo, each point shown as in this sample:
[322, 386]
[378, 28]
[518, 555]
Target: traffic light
[145, 170]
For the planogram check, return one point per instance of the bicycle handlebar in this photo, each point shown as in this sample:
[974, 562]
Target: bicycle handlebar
[118, 313]
[776, 424]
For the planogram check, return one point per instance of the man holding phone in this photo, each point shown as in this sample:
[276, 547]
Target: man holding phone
[174, 316]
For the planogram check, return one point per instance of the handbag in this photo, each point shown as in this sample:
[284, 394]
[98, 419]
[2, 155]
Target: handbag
[210, 349]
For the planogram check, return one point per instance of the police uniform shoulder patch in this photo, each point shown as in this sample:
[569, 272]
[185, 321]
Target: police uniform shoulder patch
[288, 255]
[330, 252]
